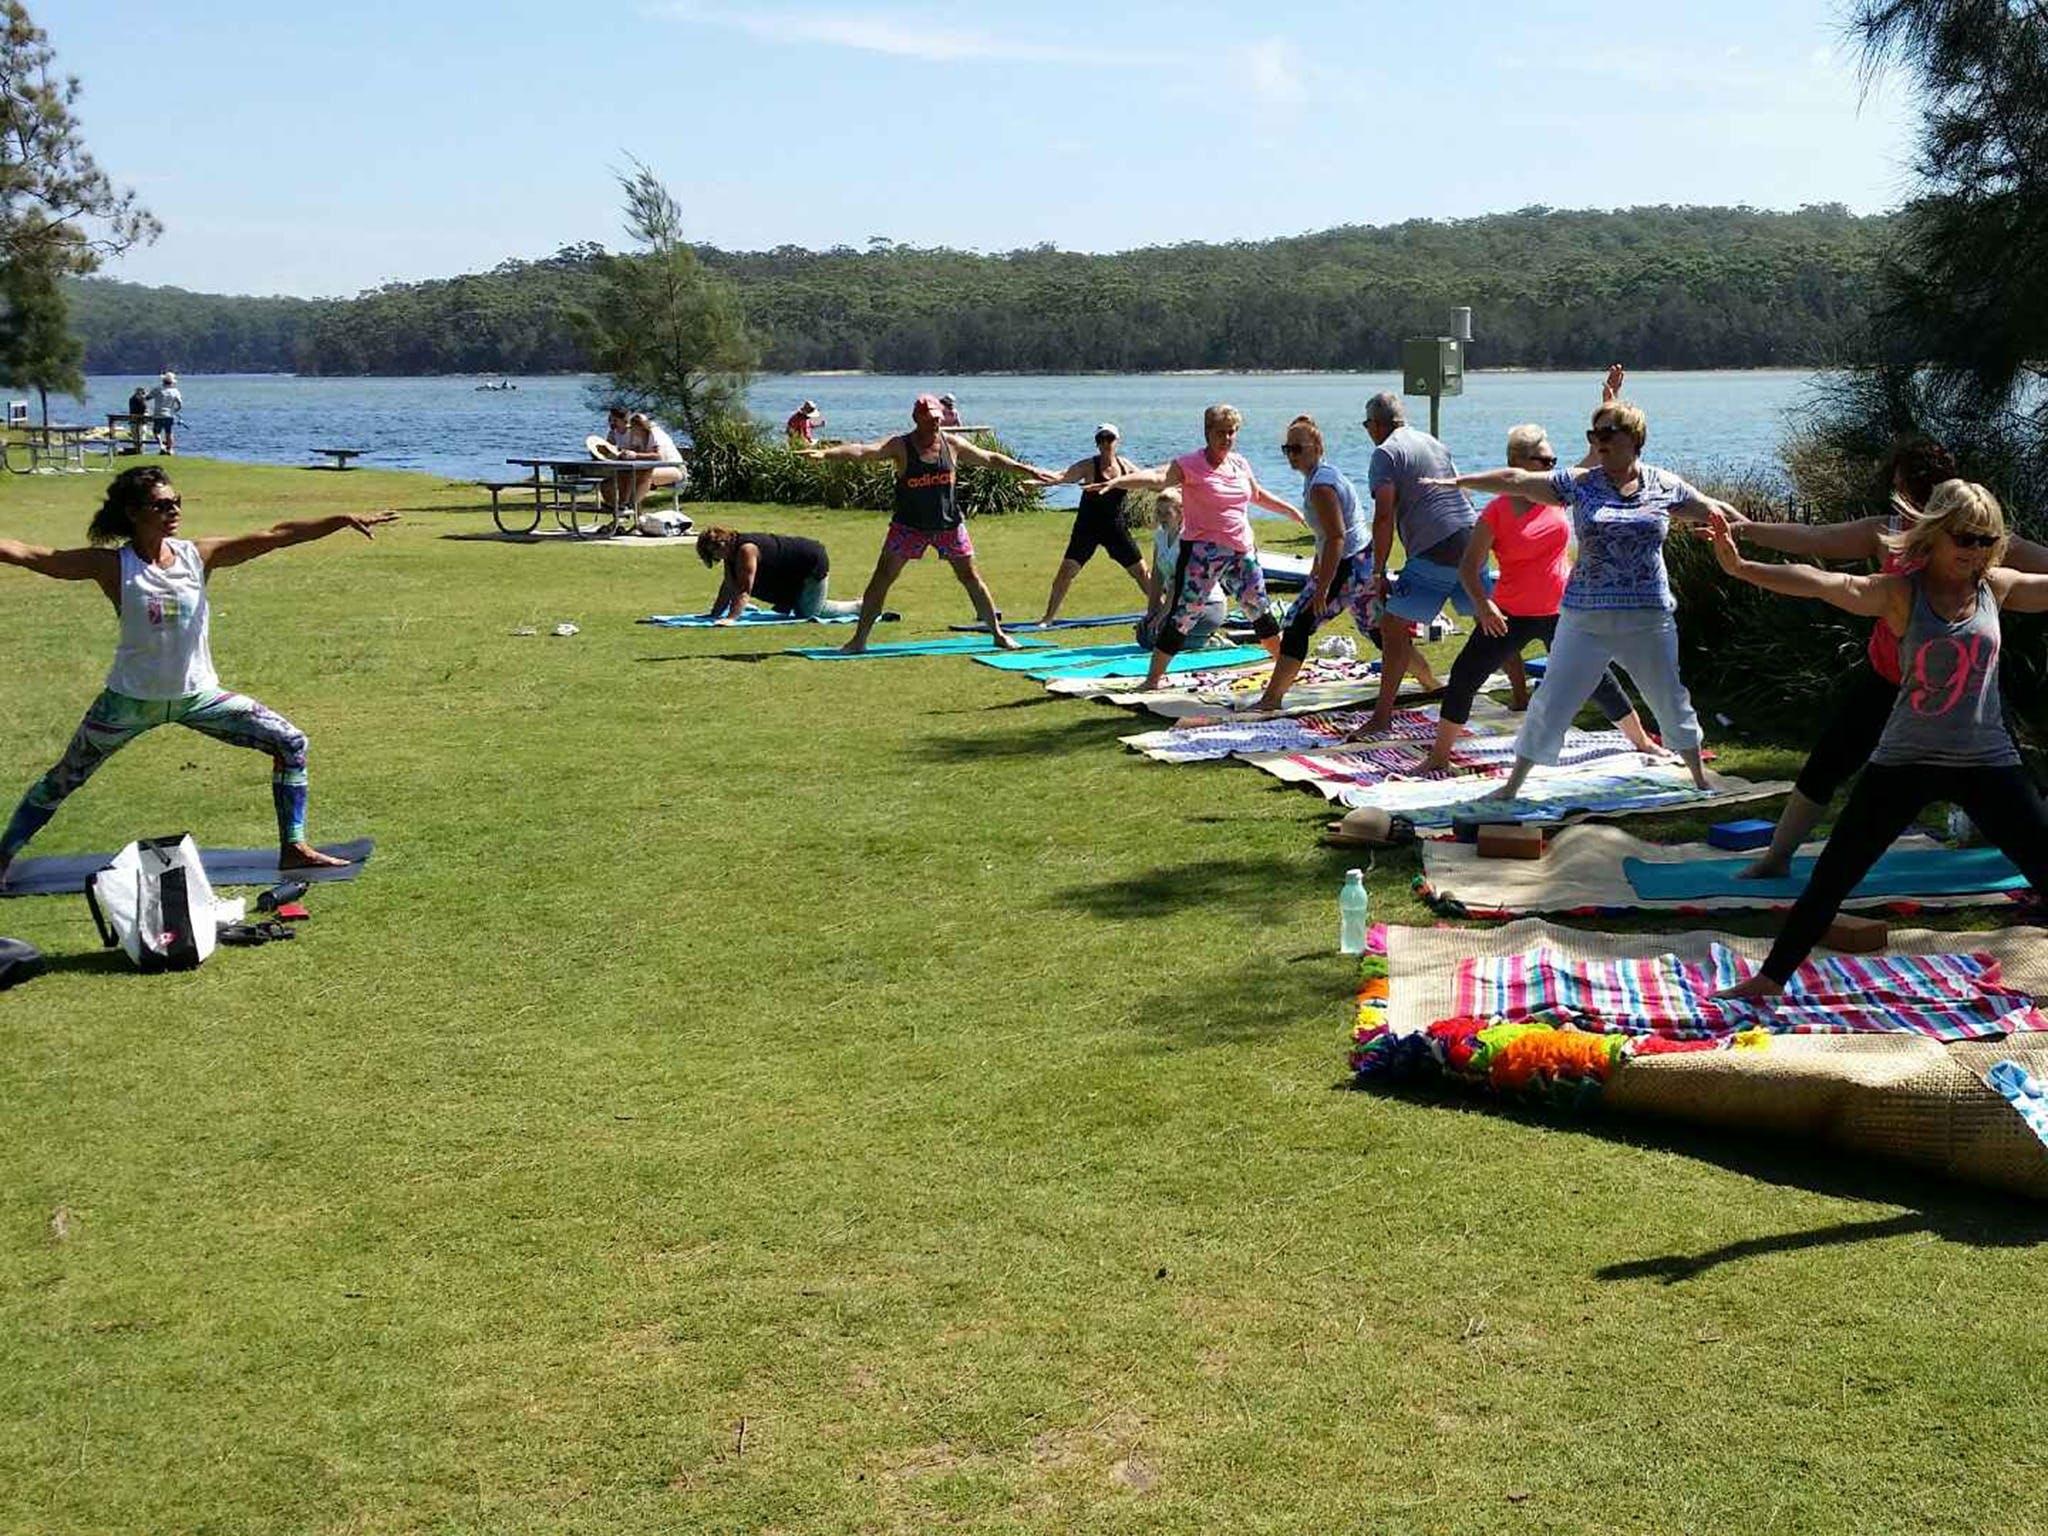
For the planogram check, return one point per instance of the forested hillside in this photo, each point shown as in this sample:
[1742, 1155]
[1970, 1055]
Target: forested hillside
[1663, 287]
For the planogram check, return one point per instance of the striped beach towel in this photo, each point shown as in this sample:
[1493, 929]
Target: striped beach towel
[1941, 996]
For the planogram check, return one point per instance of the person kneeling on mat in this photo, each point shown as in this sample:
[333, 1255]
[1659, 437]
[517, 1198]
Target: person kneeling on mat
[163, 668]
[1947, 737]
[1217, 492]
[784, 571]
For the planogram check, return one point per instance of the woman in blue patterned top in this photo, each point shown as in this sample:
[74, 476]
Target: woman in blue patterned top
[1617, 605]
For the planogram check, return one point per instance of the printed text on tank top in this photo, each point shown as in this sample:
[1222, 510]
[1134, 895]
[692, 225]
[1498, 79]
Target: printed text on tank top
[925, 479]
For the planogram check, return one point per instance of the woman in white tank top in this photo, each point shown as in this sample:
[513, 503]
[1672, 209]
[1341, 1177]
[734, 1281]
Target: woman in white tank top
[163, 667]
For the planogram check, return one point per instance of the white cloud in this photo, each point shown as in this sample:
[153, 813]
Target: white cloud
[875, 32]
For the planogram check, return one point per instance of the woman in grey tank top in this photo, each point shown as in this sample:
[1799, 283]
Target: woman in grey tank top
[1944, 606]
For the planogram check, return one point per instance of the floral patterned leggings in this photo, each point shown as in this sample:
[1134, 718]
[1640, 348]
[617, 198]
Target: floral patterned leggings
[115, 720]
[1201, 568]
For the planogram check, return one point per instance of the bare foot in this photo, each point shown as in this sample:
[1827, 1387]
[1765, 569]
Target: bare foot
[1765, 868]
[306, 856]
[1759, 988]
[853, 647]
[1499, 792]
[1431, 764]
[1519, 702]
[1046, 622]
[1005, 641]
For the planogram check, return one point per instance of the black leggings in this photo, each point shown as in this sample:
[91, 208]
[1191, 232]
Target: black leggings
[2001, 801]
[1850, 735]
[1483, 653]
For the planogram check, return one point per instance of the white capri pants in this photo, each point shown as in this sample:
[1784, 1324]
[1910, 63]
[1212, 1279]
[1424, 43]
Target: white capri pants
[1643, 642]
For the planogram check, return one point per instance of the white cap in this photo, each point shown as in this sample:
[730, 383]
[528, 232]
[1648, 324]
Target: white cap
[1108, 429]
[170, 378]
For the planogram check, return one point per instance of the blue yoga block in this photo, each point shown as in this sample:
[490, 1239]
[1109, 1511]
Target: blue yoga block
[1740, 834]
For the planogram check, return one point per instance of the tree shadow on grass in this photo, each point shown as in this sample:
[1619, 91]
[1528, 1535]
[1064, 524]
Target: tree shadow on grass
[1956, 1213]
[1230, 888]
[87, 962]
[1254, 1001]
[1073, 733]
[747, 656]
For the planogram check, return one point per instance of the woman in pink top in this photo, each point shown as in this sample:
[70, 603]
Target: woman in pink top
[1217, 492]
[1532, 543]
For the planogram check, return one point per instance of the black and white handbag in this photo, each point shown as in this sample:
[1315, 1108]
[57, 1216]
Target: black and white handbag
[155, 903]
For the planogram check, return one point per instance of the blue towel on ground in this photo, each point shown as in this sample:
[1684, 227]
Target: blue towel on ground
[1093, 621]
[1904, 872]
[1135, 666]
[949, 645]
[1060, 656]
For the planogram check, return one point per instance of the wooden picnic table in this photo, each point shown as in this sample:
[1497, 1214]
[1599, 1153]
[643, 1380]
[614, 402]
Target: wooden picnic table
[565, 480]
[341, 456]
[63, 441]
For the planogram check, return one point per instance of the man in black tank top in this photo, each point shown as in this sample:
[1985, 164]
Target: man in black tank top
[928, 511]
[1099, 524]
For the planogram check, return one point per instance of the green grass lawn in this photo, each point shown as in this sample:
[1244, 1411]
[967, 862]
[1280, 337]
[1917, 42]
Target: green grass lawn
[749, 1094]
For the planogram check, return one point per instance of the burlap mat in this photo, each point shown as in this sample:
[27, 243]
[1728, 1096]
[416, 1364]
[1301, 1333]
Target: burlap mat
[1902, 1097]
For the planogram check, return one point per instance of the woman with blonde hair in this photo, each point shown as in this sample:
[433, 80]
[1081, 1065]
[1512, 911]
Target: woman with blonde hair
[1946, 738]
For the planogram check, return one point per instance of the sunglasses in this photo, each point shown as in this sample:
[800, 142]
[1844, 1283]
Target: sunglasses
[167, 503]
[1291, 449]
[1543, 460]
[1604, 433]
[1105, 438]
[1974, 540]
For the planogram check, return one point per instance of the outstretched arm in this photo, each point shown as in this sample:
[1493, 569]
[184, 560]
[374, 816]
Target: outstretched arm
[1856, 540]
[2021, 591]
[1877, 597]
[987, 458]
[1164, 478]
[2027, 556]
[100, 565]
[1261, 497]
[240, 548]
[1610, 391]
[856, 452]
[1529, 484]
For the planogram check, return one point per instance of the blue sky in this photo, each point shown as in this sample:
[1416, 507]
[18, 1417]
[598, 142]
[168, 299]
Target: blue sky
[323, 150]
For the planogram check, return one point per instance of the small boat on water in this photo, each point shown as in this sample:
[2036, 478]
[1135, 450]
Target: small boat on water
[494, 389]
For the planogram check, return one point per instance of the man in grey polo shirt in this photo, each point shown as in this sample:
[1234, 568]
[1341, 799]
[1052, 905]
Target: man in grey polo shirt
[1434, 523]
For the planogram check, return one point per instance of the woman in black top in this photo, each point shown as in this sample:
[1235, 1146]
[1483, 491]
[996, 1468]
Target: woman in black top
[1100, 522]
[784, 571]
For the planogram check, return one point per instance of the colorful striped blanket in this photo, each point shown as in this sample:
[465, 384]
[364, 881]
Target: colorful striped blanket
[1941, 996]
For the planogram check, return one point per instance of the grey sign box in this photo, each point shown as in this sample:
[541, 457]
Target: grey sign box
[1433, 365]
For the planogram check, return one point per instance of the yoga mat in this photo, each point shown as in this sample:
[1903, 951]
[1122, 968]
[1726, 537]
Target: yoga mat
[65, 874]
[1900, 872]
[1059, 657]
[1138, 663]
[1091, 621]
[1581, 871]
[950, 645]
[1558, 795]
[753, 618]
[1918, 1101]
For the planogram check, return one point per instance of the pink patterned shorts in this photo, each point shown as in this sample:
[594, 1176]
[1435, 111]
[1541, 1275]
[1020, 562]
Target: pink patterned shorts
[907, 543]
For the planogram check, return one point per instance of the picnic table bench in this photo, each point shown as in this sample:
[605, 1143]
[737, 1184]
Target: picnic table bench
[63, 443]
[341, 456]
[559, 485]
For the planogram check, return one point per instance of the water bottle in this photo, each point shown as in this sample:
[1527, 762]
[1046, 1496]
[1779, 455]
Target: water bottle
[1352, 903]
[1960, 828]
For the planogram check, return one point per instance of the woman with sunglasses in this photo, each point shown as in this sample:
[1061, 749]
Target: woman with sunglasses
[1531, 543]
[163, 668]
[1099, 524]
[1946, 737]
[1617, 604]
[1863, 702]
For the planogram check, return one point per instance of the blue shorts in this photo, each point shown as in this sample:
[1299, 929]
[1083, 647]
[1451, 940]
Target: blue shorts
[1423, 586]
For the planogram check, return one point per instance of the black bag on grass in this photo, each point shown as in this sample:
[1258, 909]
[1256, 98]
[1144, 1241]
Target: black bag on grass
[19, 961]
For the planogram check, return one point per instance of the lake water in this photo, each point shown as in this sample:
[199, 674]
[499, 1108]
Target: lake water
[1699, 422]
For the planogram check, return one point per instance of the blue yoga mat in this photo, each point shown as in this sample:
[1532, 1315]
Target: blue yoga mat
[950, 645]
[1060, 657]
[1137, 665]
[1903, 872]
[1094, 621]
[753, 618]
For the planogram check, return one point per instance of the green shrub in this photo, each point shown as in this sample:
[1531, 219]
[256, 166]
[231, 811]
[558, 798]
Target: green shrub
[741, 461]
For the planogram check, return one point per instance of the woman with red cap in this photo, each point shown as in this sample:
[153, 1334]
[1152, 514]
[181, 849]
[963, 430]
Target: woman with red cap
[928, 513]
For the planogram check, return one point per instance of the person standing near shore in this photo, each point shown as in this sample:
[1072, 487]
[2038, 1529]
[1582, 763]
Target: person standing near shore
[166, 405]
[1099, 523]
[803, 424]
[928, 514]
